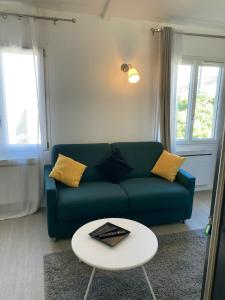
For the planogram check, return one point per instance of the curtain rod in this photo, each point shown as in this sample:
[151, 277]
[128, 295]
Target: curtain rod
[156, 30]
[54, 19]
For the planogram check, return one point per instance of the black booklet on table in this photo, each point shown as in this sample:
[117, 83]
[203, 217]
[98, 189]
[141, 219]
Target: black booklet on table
[109, 234]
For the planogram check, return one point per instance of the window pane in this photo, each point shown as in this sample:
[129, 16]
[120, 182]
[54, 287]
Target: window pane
[20, 98]
[204, 117]
[183, 84]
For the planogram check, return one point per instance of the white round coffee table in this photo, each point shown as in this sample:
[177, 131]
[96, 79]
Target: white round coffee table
[134, 251]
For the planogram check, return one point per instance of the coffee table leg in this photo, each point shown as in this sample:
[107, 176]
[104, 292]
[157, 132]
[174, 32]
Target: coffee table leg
[148, 282]
[89, 284]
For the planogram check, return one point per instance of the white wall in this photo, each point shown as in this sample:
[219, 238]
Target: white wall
[90, 99]
[202, 46]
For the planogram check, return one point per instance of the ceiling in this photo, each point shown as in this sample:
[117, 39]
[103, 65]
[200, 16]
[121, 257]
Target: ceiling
[203, 12]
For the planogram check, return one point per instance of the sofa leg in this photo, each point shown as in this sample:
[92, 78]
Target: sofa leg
[54, 239]
[183, 221]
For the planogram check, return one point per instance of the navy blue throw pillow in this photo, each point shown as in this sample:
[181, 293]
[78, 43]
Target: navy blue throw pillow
[115, 168]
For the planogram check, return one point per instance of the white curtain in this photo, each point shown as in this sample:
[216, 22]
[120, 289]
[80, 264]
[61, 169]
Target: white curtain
[176, 59]
[155, 59]
[22, 113]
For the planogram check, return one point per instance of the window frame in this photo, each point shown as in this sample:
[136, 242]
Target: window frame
[3, 122]
[195, 63]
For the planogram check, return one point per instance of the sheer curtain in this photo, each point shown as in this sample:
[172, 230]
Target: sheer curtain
[167, 52]
[176, 59]
[22, 113]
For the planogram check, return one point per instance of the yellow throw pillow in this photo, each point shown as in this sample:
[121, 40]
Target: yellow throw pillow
[168, 165]
[67, 171]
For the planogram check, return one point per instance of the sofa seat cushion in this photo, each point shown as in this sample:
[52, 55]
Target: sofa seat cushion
[153, 194]
[91, 199]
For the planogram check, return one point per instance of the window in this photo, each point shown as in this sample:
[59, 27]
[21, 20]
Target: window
[18, 98]
[198, 93]
[183, 84]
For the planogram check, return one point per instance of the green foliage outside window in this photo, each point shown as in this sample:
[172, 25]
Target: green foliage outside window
[182, 106]
[203, 120]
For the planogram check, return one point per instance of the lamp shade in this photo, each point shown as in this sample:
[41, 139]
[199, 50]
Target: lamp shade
[133, 75]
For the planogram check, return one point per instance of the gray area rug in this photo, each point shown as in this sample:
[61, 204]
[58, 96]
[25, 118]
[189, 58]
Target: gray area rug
[175, 273]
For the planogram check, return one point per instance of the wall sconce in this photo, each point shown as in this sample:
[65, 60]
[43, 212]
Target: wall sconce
[133, 75]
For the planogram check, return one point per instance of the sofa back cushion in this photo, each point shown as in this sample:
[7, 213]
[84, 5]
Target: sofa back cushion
[87, 154]
[141, 156]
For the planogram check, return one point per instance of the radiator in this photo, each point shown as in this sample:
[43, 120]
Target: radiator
[19, 188]
[202, 166]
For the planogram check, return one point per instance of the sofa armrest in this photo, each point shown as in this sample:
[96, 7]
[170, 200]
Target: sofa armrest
[52, 200]
[188, 181]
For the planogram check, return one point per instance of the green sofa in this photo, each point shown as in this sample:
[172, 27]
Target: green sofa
[141, 196]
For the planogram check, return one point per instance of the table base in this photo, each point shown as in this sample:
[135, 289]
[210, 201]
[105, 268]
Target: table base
[145, 275]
